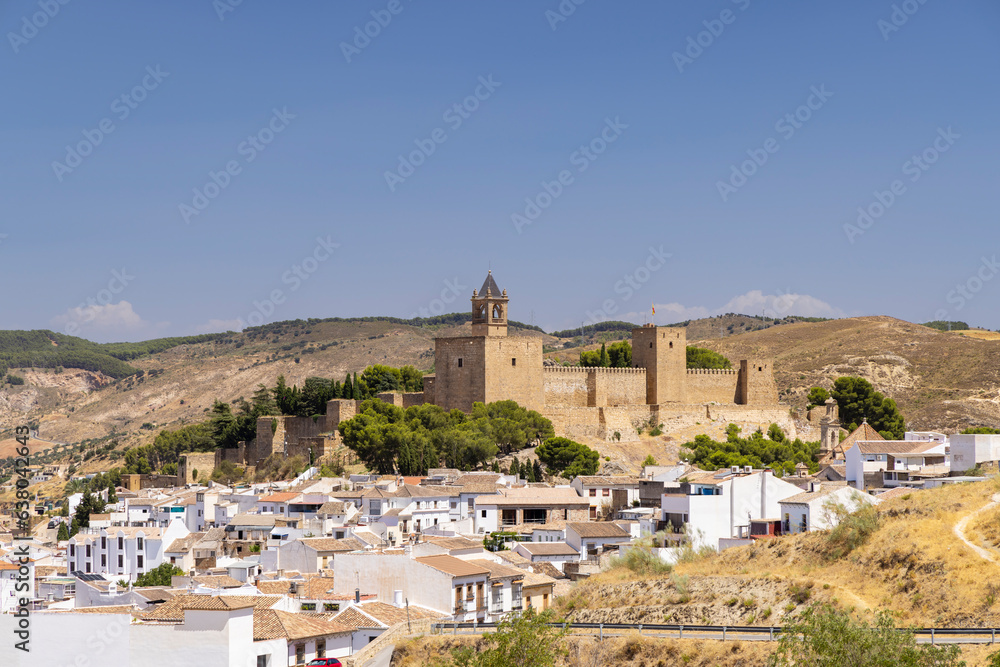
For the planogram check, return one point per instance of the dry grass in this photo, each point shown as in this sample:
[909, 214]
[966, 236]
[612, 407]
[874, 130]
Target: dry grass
[633, 651]
[981, 334]
[913, 565]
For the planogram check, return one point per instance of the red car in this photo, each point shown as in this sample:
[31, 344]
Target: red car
[329, 662]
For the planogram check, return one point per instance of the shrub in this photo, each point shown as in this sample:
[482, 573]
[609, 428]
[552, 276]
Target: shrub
[640, 559]
[852, 529]
[800, 593]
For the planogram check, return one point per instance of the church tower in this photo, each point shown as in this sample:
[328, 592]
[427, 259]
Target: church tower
[489, 309]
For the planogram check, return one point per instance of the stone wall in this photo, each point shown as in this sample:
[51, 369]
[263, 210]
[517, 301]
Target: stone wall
[276, 434]
[566, 386]
[756, 386]
[514, 370]
[203, 462]
[459, 372]
[599, 422]
[319, 444]
[338, 410]
[711, 385]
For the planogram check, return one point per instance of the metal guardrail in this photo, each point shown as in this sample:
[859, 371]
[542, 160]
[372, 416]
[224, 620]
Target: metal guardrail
[723, 630]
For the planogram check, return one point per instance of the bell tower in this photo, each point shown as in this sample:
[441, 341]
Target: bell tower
[489, 309]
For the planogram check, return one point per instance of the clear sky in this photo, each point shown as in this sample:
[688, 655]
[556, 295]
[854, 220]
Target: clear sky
[188, 166]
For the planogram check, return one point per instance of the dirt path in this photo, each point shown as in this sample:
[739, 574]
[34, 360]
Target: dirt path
[960, 529]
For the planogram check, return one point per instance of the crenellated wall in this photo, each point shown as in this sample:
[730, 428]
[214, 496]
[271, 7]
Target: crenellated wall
[711, 385]
[594, 387]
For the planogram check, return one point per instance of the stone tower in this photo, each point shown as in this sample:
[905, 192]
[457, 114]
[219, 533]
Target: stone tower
[662, 351]
[829, 428]
[489, 309]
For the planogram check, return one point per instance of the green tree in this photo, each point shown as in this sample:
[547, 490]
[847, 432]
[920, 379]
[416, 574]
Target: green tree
[620, 354]
[63, 534]
[590, 359]
[515, 468]
[348, 387]
[699, 357]
[758, 451]
[89, 504]
[649, 461]
[357, 388]
[857, 401]
[568, 458]
[112, 496]
[981, 430]
[605, 359]
[525, 640]
[827, 637]
[537, 472]
[227, 472]
[159, 575]
[817, 396]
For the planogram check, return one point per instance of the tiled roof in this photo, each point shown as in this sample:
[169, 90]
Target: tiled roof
[280, 497]
[261, 520]
[597, 529]
[457, 542]
[274, 624]
[217, 581]
[332, 507]
[380, 614]
[354, 618]
[537, 579]
[497, 570]
[608, 480]
[895, 493]
[367, 537]
[512, 557]
[451, 565]
[548, 549]
[533, 497]
[863, 432]
[173, 610]
[547, 569]
[882, 446]
[809, 496]
[332, 544]
[108, 609]
[279, 587]
[411, 491]
[184, 544]
[490, 285]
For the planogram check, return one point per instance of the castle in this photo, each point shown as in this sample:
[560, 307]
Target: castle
[490, 365]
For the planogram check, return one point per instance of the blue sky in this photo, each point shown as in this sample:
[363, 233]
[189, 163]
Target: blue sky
[713, 157]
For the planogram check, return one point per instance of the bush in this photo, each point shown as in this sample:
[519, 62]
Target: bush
[640, 559]
[852, 530]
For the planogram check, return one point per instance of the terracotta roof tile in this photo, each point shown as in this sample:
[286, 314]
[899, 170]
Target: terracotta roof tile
[451, 565]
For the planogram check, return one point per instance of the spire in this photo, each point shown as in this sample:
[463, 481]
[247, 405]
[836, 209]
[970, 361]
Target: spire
[489, 287]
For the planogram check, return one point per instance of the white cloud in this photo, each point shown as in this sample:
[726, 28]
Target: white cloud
[218, 326]
[754, 302]
[112, 321]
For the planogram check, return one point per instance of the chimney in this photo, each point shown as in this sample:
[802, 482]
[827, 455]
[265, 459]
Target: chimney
[397, 598]
[357, 596]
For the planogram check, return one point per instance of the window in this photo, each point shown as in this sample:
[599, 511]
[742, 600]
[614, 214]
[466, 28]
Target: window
[671, 345]
[104, 542]
[138, 543]
[121, 542]
[517, 600]
[300, 654]
[138, 561]
[606, 492]
[88, 551]
[264, 660]
[593, 493]
[308, 606]
[120, 564]
[484, 514]
[104, 561]
[320, 648]
[331, 606]
[460, 362]
[513, 362]
[72, 547]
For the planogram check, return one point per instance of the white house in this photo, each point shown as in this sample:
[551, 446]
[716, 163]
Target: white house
[122, 552]
[594, 538]
[896, 460]
[717, 505]
[557, 553]
[10, 578]
[810, 510]
[514, 507]
[968, 450]
[606, 492]
[371, 619]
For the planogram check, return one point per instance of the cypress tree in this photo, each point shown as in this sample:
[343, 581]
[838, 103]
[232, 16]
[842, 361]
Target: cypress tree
[605, 359]
[357, 387]
[348, 389]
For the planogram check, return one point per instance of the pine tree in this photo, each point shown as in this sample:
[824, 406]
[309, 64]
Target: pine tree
[357, 387]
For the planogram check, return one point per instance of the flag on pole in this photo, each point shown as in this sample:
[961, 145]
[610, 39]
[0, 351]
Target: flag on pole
[653, 306]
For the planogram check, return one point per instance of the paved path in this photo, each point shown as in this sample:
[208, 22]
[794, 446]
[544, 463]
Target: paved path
[960, 529]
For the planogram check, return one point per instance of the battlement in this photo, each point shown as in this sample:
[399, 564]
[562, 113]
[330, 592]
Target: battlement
[592, 369]
[712, 371]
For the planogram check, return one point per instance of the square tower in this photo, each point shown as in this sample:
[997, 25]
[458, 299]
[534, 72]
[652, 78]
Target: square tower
[662, 351]
[489, 309]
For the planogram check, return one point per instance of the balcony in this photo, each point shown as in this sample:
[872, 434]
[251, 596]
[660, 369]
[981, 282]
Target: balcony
[517, 605]
[460, 607]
